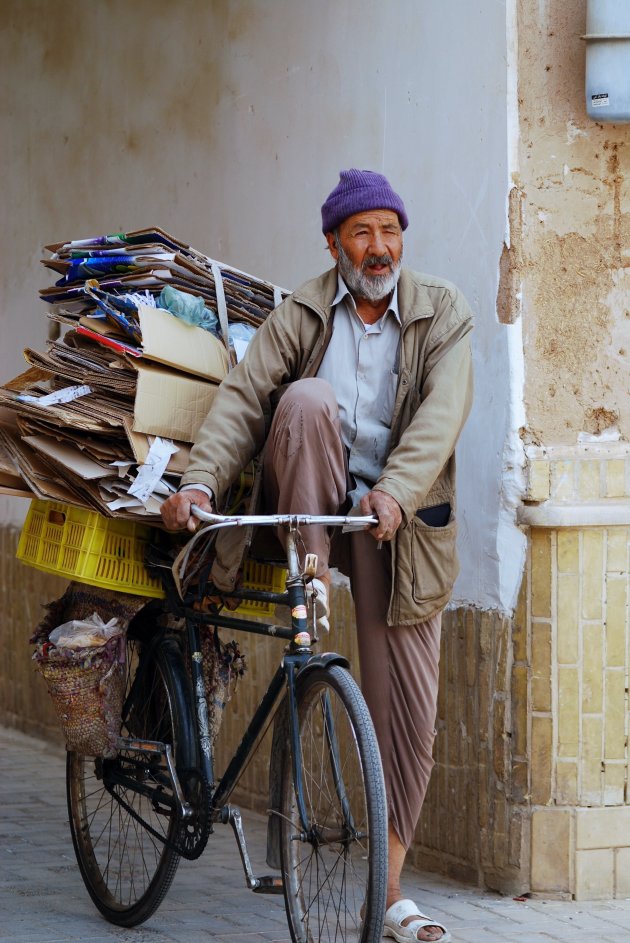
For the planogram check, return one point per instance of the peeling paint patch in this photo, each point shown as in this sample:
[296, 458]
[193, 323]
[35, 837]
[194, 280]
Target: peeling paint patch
[609, 435]
[598, 419]
[614, 181]
[574, 132]
[577, 368]
[511, 262]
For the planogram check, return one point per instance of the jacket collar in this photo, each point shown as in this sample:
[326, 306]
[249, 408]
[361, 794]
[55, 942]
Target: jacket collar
[414, 300]
[343, 293]
[319, 293]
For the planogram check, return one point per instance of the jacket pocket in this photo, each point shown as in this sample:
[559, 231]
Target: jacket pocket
[433, 559]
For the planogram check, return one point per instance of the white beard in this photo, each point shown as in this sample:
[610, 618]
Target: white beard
[371, 287]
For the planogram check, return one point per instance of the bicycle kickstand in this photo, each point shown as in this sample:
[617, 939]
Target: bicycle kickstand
[267, 883]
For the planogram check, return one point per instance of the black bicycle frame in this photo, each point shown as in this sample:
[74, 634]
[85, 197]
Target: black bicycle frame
[296, 657]
[298, 653]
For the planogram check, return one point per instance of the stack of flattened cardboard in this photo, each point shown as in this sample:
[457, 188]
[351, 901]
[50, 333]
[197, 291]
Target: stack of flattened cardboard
[104, 418]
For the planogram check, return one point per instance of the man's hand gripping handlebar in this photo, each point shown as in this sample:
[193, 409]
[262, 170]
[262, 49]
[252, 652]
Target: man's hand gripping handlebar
[186, 509]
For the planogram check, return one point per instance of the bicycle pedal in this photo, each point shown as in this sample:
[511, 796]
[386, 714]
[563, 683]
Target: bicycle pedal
[268, 884]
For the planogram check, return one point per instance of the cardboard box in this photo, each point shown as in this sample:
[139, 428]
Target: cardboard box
[169, 404]
[170, 341]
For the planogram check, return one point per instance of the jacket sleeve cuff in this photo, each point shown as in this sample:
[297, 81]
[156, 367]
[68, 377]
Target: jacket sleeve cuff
[195, 478]
[198, 487]
[402, 495]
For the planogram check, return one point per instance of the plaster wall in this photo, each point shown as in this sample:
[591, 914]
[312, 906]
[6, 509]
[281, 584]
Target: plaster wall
[571, 228]
[227, 123]
[564, 277]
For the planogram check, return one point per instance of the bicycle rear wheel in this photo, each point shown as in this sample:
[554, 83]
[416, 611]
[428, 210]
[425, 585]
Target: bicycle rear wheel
[334, 864]
[126, 869]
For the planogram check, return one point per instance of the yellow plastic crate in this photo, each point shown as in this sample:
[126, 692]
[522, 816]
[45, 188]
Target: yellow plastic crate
[264, 577]
[85, 546]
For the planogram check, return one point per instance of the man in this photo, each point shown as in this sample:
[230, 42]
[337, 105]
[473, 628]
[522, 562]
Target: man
[376, 364]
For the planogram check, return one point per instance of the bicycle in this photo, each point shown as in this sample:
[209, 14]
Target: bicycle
[133, 816]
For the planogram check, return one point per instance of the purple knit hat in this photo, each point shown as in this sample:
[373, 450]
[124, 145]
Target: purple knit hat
[356, 192]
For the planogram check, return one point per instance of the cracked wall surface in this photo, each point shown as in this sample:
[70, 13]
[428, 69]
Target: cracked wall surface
[572, 255]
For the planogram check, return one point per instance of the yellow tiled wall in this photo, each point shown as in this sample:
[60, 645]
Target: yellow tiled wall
[475, 820]
[578, 593]
[578, 475]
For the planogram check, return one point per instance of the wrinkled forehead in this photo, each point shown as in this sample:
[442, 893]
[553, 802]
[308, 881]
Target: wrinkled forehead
[374, 219]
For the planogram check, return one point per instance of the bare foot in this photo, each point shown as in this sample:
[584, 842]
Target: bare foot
[431, 934]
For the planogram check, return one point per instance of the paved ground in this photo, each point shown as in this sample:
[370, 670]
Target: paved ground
[42, 899]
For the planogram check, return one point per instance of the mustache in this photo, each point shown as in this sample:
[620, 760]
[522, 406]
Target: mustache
[377, 260]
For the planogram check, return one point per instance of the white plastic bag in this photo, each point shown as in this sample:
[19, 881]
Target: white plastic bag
[84, 633]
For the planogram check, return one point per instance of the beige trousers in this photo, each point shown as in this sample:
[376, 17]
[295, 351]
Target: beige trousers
[305, 471]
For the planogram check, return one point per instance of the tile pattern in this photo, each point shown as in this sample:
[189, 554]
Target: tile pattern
[578, 590]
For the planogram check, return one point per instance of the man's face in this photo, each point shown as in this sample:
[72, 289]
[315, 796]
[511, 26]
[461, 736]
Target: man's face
[368, 251]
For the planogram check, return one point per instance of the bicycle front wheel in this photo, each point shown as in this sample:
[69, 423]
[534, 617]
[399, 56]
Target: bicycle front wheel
[119, 806]
[334, 856]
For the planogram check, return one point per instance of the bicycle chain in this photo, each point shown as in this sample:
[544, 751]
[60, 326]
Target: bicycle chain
[195, 841]
[199, 829]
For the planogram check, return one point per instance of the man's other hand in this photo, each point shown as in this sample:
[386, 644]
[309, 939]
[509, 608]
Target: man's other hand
[382, 505]
[176, 510]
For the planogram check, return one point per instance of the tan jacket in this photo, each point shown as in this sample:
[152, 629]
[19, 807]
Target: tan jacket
[433, 399]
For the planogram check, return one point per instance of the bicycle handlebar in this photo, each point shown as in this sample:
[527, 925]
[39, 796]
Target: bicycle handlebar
[277, 520]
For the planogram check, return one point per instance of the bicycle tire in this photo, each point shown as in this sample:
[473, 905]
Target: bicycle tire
[335, 870]
[126, 870]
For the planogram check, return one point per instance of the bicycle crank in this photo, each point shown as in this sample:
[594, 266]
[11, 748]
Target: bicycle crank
[266, 883]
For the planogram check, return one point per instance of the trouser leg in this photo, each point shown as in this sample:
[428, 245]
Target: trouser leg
[304, 467]
[399, 680]
[305, 471]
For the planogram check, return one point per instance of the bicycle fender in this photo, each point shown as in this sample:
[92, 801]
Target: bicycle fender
[278, 747]
[323, 660]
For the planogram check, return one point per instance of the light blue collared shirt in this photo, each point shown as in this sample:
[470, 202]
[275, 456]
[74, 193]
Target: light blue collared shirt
[361, 365]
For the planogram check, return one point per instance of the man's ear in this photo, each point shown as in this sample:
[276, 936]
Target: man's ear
[330, 239]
